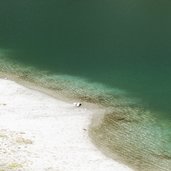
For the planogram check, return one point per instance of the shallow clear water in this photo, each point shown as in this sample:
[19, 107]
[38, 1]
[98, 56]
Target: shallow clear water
[116, 53]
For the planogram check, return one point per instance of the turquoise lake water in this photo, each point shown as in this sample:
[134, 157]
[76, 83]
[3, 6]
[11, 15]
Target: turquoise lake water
[117, 53]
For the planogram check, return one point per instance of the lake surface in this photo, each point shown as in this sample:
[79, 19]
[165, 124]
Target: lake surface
[121, 45]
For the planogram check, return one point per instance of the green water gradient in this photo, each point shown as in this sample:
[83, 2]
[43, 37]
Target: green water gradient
[120, 43]
[126, 42]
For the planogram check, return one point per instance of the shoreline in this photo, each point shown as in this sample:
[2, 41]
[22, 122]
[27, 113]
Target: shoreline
[44, 133]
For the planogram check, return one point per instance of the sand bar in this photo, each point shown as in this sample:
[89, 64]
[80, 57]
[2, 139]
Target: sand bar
[41, 133]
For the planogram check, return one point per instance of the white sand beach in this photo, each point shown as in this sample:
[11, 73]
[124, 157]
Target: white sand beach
[41, 133]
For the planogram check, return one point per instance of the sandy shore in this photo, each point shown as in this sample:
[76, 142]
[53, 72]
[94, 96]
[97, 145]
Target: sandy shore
[40, 133]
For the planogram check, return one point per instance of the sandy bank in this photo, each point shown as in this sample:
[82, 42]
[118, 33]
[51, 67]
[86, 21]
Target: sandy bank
[40, 133]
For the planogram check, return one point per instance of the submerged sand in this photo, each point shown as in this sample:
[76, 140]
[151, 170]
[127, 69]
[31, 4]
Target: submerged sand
[41, 133]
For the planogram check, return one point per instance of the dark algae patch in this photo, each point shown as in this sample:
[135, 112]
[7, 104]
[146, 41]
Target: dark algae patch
[135, 137]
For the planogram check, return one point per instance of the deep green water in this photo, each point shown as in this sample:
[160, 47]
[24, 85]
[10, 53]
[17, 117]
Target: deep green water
[124, 44]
